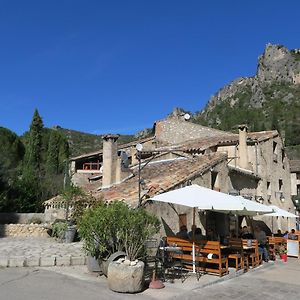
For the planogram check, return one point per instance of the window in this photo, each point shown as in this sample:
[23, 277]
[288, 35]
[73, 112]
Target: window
[280, 184]
[182, 220]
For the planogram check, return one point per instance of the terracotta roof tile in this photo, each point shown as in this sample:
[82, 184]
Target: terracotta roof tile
[161, 176]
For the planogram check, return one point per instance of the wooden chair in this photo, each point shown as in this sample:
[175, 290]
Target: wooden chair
[254, 257]
[237, 254]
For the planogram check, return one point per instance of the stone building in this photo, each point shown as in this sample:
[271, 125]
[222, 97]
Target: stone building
[253, 165]
[258, 168]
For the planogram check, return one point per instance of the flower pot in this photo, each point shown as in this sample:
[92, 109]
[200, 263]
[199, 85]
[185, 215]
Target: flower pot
[283, 257]
[70, 234]
[126, 278]
[92, 264]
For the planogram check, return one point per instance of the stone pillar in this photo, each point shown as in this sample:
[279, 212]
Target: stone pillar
[118, 170]
[243, 151]
[134, 160]
[110, 156]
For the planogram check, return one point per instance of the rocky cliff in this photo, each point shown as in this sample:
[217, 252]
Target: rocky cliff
[268, 100]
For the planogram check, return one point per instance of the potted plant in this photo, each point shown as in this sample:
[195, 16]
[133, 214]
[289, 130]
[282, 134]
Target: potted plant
[75, 201]
[98, 229]
[134, 227]
[283, 253]
[110, 229]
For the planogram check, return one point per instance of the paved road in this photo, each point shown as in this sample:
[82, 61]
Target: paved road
[281, 281]
[276, 281]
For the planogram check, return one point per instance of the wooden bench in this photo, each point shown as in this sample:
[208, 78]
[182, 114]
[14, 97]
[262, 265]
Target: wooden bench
[184, 255]
[237, 254]
[214, 263]
[186, 250]
[210, 258]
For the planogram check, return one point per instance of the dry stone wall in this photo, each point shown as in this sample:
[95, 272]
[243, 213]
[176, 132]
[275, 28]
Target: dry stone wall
[25, 230]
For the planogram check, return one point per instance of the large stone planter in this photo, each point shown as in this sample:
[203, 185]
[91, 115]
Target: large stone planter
[104, 263]
[124, 278]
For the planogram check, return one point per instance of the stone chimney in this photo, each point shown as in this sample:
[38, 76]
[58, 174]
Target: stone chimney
[243, 151]
[110, 160]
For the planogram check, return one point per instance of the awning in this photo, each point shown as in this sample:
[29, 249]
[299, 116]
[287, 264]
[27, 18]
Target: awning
[207, 199]
[279, 212]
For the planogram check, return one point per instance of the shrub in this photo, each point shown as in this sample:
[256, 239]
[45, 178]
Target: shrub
[59, 229]
[116, 227]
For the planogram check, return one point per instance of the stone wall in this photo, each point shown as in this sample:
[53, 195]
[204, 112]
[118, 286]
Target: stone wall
[25, 230]
[175, 131]
[21, 218]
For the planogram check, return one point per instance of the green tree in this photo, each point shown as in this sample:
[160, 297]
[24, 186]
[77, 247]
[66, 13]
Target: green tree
[34, 148]
[52, 164]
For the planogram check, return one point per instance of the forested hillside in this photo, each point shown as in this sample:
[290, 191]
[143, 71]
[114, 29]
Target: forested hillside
[32, 168]
[269, 100]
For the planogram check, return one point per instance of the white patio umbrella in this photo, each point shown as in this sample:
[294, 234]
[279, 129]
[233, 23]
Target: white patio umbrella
[279, 212]
[206, 199]
[251, 208]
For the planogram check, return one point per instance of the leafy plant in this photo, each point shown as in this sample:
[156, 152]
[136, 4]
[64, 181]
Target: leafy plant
[71, 195]
[116, 227]
[282, 249]
[59, 229]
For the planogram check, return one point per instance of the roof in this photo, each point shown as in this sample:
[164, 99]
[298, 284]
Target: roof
[121, 146]
[244, 172]
[262, 135]
[223, 139]
[294, 166]
[162, 176]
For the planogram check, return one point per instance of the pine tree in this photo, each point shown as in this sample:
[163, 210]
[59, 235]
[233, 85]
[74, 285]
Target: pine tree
[34, 148]
[52, 164]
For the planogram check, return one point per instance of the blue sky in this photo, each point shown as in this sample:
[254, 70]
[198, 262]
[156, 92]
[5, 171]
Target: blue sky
[117, 66]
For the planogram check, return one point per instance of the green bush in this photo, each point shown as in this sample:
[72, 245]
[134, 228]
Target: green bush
[59, 229]
[116, 227]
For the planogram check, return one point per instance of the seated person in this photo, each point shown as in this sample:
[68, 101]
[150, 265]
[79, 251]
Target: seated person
[292, 235]
[279, 233]
[190, 234]
[183, 233]
[211, 235]
[246, 234]
[198, 236]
